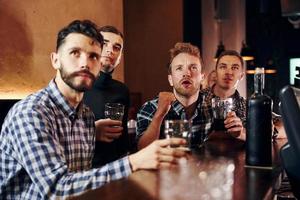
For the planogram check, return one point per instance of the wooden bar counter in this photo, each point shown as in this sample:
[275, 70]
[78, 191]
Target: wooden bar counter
[199, 177]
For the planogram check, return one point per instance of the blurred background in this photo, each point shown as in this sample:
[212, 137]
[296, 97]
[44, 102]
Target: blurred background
[268, 29]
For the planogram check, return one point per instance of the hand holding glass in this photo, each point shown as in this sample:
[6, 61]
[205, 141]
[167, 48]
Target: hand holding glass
[179, 129]
[220, 109]
[114, 111]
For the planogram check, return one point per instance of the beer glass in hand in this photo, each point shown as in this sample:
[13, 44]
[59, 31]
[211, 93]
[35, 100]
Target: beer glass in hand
[220, 109]
[114, 111]
[179, 129]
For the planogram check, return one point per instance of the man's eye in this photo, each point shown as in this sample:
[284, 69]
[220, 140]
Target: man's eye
[178, 68]
[94, 56]
[75, 53]
[222, 66]
[194, 67]
[117, 48]
[235, 67]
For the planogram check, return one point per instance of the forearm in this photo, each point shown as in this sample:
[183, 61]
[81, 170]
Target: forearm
[242, 135]
[72, 184]
[152, 132]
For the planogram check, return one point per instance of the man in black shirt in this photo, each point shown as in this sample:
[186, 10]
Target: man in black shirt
[113, 140]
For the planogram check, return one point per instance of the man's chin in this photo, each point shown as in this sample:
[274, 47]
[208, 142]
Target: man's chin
[187, 92]
[227, 86]
[82, 88]
[107, 68]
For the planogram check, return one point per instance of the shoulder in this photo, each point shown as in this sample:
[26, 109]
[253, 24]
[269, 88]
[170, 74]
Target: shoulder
[152, 104]
[35, 102]
[119, 84]
[145, 115]
[148, 109]
[34, 109]
[36, 105]
[239, 98]
[119, 88]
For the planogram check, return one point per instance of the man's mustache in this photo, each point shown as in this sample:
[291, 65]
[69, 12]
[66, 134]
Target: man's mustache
[85, 72]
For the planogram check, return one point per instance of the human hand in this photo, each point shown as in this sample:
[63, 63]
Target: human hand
[158, 154]
[233, 124]
[108, 130]
[165, 100]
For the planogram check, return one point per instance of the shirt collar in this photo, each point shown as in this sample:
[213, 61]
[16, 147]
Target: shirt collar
[235, 95]
[62, 103]
[179, 108]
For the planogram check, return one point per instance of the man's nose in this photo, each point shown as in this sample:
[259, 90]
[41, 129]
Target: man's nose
[109, 48]
[83, 61]
[228, 70]
[186, 72]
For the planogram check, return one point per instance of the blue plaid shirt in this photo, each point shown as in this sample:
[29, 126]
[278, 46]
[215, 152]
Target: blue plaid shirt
[46, 149]
[201, 119]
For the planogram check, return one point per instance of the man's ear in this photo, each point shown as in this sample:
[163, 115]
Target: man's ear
[118, 59]
[242, 76]
[170, 80]
[54, 60]
[203, 76]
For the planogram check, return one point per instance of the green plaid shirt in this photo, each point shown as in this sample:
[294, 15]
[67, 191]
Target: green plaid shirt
[201, 119]
[239, 103]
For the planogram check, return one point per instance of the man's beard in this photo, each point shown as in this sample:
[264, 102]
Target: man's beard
[69, 79]
[185, 92]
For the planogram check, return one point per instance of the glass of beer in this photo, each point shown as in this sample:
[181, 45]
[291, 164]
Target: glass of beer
[114, 111]
[179, 129]
[220, 109]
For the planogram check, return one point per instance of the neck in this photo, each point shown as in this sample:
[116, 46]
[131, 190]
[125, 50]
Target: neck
[73, 97]
[186, 101]
[222, 92]
[107, 72]
[189, 103]
[108, 69]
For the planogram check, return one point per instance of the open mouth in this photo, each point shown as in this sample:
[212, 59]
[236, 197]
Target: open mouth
[186, 83]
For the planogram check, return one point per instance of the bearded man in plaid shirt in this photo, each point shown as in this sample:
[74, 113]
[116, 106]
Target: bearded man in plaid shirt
[47, 140]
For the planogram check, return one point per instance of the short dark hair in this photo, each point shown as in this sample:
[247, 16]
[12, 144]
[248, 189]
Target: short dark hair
[110, 29]
[85, 27]
[181, 47]
[230, 53]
